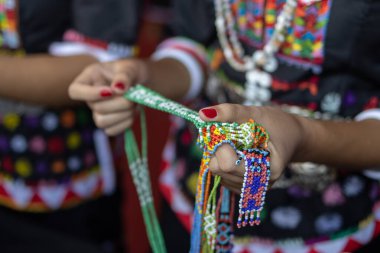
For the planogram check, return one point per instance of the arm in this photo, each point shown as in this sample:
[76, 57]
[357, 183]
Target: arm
[40, 79]
[168, 77]
[342, 144]
[176, 70]
[348, 145]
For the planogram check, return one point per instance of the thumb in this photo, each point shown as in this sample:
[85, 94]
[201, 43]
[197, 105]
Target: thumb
[225, 113]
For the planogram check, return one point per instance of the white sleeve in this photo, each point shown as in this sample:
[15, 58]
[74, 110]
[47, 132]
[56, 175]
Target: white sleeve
[192, 55]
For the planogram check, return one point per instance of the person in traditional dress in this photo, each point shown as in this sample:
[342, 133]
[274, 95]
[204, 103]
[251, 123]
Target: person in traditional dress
[57, 194]
[306, 70]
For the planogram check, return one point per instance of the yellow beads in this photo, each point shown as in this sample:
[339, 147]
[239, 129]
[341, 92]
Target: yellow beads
[11, 121]
[23, 167]
[73, 140]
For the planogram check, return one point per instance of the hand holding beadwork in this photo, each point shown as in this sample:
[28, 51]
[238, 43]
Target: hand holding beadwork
[102, 85]
[285, 138]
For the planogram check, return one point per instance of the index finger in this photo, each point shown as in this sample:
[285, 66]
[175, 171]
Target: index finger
[85, 86]
[82, 92]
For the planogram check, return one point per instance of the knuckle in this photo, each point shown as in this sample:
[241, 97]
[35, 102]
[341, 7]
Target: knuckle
[110, 132]
[227, 168]
[129, 123]
[70, 91]
[97, 108]
[99, 120]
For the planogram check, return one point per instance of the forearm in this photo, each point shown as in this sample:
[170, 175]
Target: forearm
[40, 79]
[168, 77]
[342, 144]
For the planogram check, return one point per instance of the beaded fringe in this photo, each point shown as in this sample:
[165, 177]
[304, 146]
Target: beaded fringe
[213, 220]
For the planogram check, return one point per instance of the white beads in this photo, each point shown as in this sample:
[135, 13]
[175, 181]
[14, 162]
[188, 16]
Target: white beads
[271, 64]
[264, 94]
[257, 82]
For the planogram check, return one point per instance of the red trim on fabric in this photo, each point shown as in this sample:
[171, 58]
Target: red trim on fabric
[376, 231]
[36, 199]
[185, 220]
[70, 195]
[75, 36]
[246, 251]
[312, 250]
[164, 166]
[191, 52]
[310, 84]
[166, 193]
[3, 192]
[351, 245]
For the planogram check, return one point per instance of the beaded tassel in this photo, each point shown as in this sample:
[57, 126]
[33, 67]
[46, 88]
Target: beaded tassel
[250, 142]
[255, 184]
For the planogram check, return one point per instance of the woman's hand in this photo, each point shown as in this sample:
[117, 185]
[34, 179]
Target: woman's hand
[285, 136]
[102, 86]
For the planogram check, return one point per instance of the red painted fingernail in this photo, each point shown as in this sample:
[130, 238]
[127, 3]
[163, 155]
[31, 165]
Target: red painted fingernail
[105, 93]
[210, 113]
[120, 86]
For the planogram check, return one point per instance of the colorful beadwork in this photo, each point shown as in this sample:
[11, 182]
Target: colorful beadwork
[250, 142]
[304, 41]
[255, 184]
[9, 36]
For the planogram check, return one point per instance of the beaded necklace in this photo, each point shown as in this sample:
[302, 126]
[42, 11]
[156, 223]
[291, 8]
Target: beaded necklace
[262, 62]
[212, 229]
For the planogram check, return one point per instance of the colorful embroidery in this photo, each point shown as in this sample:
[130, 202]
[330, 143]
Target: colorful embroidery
[348, 240]
[305, 38]
[58, 141]
[47, 195]
[48, 160]
[9, 37]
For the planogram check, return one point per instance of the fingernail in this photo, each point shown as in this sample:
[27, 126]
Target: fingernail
[209, 112]
[105, 93]
[120, 86]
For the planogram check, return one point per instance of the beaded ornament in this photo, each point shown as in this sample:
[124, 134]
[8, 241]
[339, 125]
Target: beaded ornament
[212, 224]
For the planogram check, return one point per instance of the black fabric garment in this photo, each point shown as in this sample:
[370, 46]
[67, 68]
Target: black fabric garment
[91, 227]
[41, 22]
[111, 20]
[44, 21]
[94, 225]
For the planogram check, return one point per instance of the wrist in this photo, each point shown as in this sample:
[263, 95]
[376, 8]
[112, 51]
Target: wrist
[307, 136]
[143, 73]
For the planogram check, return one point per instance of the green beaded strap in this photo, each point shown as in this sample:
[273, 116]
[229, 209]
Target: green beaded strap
[147, 97]
[250, 142]
[138, 166]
